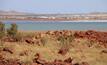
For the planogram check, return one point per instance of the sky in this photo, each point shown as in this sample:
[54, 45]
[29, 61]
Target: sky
[54, 6]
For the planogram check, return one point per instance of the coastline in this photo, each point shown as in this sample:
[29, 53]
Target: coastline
[55, 20]
[43, 31]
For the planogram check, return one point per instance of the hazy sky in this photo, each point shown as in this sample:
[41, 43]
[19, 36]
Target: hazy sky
[54, 6]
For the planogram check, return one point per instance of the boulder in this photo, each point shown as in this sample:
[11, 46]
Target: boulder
[68, 60]
[10, 50]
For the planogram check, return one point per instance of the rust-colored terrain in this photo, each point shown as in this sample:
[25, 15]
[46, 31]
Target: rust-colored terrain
[63, 47]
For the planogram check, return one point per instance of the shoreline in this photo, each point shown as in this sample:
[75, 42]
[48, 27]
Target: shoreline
[43, 31]
[57, 20]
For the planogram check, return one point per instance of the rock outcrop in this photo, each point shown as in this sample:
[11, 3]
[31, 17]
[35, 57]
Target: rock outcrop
[97, 36]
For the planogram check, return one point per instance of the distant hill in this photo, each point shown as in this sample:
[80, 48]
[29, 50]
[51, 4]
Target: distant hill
[57, 14]
[14, 13]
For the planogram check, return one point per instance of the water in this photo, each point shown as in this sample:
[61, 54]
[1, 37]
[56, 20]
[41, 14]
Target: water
[23, 25]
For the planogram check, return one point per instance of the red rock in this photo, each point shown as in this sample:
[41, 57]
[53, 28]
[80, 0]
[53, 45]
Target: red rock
[63, 51]
[68, 60]
[84, 63]
[93, 35]
[8, 50]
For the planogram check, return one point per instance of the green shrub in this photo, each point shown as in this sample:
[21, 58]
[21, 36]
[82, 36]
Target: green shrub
[12, 31]
[1, 45]
[2, 30]
[43, 41]
[65, 42]
[18, 37]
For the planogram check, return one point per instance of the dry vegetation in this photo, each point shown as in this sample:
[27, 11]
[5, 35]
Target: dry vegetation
[54, 48]
[79, 49]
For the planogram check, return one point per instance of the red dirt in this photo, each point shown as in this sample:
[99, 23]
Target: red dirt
[39, 61]
[93, 36]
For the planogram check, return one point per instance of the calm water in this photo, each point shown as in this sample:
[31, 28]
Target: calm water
[23, 25]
